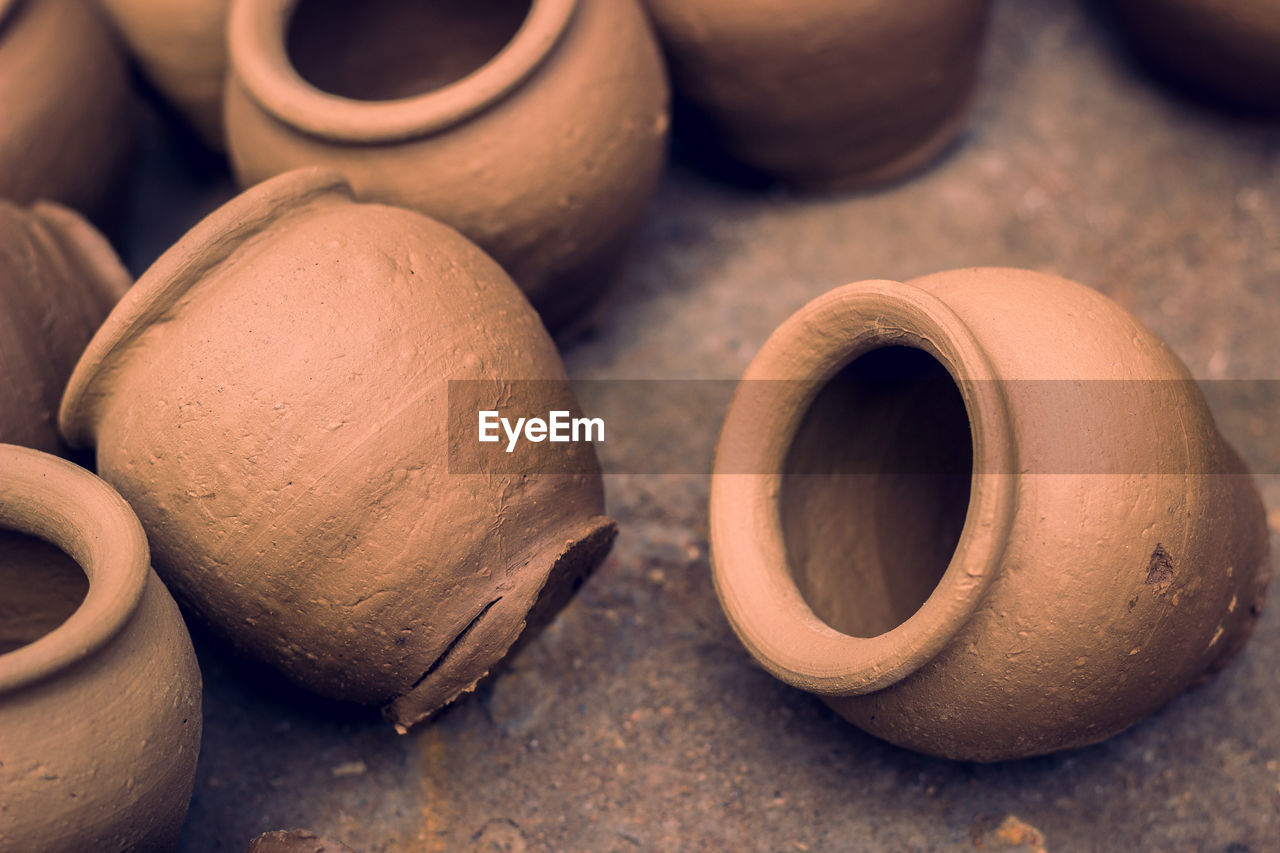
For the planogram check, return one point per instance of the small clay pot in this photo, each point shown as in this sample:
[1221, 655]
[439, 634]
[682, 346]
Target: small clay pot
[272, 398]
[535, 127]
[69, 115]
[1227, 50]
[181, 47]
[823, 94]
[984, 514]
[102, 711]
[59, 278]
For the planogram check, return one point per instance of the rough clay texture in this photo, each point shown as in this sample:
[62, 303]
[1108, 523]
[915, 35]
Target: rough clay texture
[550, 180]
[824, 93]
[69, 115]
[636, 720]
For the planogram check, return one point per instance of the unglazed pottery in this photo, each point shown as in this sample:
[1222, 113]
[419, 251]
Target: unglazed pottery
[984, 514]
[295, 841]
[58, 280]
[101, 707]
[67, 112]
[1226, 49]
[271, 397]
[823, 94]
[540, 136]
[182, 48]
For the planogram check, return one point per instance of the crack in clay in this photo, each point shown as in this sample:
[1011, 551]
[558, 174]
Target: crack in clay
[453, 644]
[1160, 570]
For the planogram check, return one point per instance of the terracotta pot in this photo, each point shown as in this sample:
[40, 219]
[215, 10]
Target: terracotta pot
[1011, 527]
[58, 280]
[69, 115]
[823, 94]
[1228, 50]
[272, 399]
[101, 712]
[540, 139]
[181, 47]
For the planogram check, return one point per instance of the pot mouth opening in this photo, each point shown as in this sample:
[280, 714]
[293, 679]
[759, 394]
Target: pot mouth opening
[861, 499]
[387, 70]
[161, 289]
[98, 564]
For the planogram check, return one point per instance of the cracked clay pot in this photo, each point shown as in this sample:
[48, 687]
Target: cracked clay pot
[823, 94]
[272, 399]
[67, 112]
[99, 689]
[58, 280]
[984, 514]
[535, 127]
[1225, 49]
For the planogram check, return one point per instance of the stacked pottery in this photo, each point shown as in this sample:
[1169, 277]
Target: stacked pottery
[971, 540]
[272, 397]
[535, 127]
[823, 94]
[67, 120]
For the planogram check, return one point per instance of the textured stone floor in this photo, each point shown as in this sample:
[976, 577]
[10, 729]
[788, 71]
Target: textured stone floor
[636, 722]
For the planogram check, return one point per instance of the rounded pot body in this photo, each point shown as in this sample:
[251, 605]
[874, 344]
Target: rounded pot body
[181, 47]
[1228, 50]
[823, 94]
[273, 399]
[70, 117]
[540, 139]
[58, 280]
[101, 713]
[985, 514]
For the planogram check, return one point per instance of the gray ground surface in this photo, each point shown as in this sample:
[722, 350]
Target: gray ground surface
[636, 721]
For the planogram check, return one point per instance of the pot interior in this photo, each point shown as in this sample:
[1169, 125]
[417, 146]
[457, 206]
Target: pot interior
[40, 587]
[875, 490]
[387, 49]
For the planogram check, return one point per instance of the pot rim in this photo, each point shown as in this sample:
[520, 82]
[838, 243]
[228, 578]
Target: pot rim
[749, 557]
[158, 293]
[256, 35]
[52, 499]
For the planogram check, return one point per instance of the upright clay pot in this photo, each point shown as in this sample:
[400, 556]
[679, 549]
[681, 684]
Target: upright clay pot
[1228, 50]
[67, 113]
[272, 399]
[58, 280]
[535, 127]
[984, 514]
[100, 706]
[181, 46]
[823, 94]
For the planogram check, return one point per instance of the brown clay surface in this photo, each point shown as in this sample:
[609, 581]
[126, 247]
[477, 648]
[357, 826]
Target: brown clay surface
[637, 721]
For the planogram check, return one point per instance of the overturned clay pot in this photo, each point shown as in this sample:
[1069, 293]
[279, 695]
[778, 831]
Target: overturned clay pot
[99, 689]
[1226, 50]
[272, 398]
[984, 514]
[535, 127]
[58, 280]
[181, 47]
[68, 118]
[823, 94]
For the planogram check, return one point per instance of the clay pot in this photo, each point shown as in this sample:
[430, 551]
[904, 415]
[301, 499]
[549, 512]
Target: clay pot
[987, 515]
[102, 711]
[823, 94]
[540, 139]
[272, 398]
[58, 280]
[1228, 50]
[69, 115]
[181, 47]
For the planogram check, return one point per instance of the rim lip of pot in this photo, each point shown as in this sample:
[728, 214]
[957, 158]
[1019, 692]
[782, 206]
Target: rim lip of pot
[161, 288]
[257, 31]
[52, 499]
[750, 563]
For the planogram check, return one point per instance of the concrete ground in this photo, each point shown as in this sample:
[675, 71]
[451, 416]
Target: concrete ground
[636, 721]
